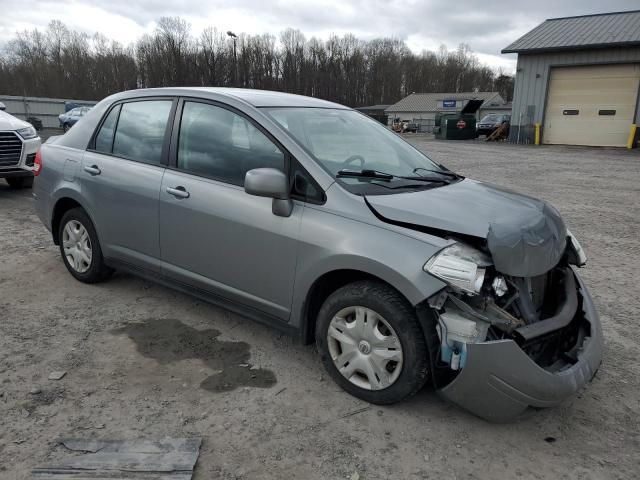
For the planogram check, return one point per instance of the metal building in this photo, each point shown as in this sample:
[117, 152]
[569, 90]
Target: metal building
[421, 108]
[579, 78]
[375, 111]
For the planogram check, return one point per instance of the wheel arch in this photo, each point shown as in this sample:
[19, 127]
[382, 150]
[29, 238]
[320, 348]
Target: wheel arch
[60, 207]
[324, 286]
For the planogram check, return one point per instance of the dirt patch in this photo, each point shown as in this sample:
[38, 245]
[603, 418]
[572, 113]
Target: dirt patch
[169, 341]
[306, 426]
[43, 398]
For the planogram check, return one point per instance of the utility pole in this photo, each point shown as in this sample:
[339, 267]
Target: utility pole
[235, 58]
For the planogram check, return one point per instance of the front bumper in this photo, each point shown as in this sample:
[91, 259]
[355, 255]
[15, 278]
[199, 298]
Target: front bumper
[24, 167]
[500, 381]
[15, 172]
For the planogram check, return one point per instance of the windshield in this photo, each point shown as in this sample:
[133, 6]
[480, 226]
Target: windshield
[491, 119]
[347, 140]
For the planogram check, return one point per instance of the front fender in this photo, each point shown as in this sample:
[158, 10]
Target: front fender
[330, 243]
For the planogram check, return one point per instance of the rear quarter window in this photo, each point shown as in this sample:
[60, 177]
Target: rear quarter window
[104, 138]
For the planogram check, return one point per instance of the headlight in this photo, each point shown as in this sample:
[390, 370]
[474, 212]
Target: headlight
[576, 251]
[27, 133]
[459, 265]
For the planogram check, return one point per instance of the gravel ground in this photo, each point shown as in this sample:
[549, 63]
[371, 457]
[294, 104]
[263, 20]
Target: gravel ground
[144, 362]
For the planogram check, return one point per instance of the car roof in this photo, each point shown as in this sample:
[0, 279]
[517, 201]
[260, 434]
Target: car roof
[256, 98]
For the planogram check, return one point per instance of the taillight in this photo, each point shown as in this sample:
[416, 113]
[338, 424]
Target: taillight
[37, 164]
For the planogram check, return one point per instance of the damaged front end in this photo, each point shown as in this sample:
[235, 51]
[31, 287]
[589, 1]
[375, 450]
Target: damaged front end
[516, 328]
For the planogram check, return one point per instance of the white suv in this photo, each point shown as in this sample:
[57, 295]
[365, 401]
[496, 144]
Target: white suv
[19, 143]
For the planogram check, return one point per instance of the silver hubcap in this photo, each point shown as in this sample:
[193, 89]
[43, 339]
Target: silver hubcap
[364, 348]
[77, 246]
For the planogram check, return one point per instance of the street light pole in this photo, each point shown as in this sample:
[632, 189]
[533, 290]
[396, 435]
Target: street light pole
[235, 58]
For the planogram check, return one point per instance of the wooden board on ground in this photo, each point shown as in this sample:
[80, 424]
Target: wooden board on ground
[165, 459]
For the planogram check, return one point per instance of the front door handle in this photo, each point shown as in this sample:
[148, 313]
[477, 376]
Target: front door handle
[178, 192]
[93, 170]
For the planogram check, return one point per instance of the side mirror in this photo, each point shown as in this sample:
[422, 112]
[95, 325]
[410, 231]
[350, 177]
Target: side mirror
[272, 183]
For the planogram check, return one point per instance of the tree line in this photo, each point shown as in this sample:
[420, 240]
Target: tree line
[60, 62]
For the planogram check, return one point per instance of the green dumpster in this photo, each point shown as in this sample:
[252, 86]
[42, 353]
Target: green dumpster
[458, 126]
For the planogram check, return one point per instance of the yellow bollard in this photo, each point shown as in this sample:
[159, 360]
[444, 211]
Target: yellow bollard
[632, 135]
[537, 134]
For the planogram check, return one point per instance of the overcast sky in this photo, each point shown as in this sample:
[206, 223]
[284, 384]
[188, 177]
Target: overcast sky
[486, 26]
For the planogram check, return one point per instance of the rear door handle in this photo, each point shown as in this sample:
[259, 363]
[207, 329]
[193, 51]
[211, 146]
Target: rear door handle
[178, 192]
[93, 170]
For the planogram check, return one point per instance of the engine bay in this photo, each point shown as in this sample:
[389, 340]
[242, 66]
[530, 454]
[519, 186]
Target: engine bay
[541, 314]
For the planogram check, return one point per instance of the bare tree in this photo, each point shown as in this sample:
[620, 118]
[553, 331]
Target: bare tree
[63, 63]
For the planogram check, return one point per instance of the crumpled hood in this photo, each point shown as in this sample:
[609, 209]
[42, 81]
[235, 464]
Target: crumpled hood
[9, 122]
[526, 236]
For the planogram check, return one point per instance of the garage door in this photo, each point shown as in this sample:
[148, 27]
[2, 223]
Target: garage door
[591, 105]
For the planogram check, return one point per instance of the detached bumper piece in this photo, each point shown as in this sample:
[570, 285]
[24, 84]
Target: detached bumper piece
[500, 381]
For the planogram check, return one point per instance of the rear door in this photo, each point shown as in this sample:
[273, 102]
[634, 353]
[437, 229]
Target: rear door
[121, 176]
[213, 235]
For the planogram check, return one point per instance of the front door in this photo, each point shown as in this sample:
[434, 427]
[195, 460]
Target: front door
[213, 235]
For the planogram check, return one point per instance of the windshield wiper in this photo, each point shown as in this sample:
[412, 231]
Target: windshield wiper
[365, 174]
[423, 178]
[378, 175]
[448, 173]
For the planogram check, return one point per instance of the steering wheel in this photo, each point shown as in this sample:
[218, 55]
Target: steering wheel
[354, 158]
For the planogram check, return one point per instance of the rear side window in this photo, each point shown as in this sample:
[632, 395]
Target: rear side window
[140, 130]
[219, 143]
[104, 139]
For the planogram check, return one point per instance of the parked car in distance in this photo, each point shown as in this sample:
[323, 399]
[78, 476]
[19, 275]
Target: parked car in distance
[69, 119]
[411, 127]
[318, 220]
[490, 123]
[19, 143]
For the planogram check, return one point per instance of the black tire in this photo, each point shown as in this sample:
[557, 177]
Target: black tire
[65, 127]
[20, 182]
[401, 316]
[98, 271]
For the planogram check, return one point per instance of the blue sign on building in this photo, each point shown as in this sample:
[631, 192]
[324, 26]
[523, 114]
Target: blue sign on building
[449, 104]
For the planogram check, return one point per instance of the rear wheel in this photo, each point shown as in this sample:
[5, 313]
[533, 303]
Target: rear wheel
[371, 343]
[80, 247]
[65, 127]
[20, 182]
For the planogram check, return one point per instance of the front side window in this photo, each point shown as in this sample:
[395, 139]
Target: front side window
[218, 143]
[140, 131]
[104, 139]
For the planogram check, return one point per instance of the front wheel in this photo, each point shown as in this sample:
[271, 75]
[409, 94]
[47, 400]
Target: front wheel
[371, 343]
[80, 248]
